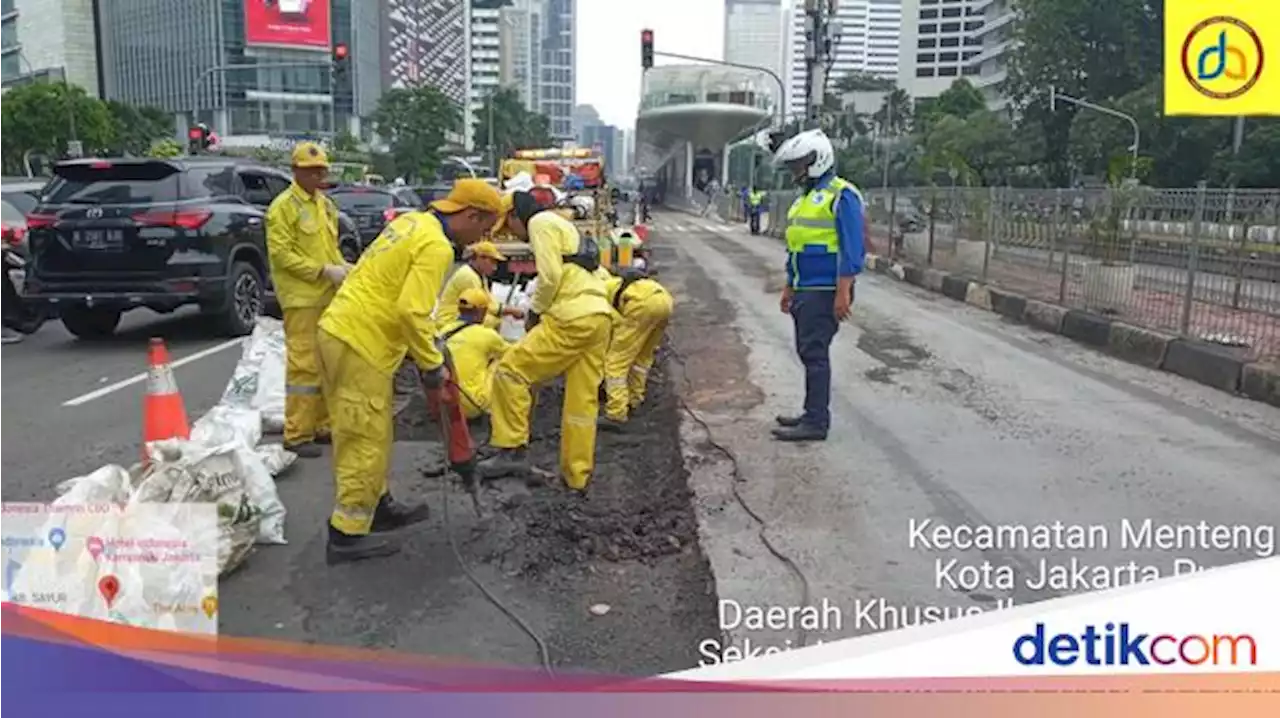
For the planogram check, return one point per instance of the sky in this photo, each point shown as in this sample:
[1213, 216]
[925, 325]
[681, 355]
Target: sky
[608, 35]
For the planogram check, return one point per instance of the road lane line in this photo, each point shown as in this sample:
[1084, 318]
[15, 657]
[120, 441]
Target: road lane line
[99, 393]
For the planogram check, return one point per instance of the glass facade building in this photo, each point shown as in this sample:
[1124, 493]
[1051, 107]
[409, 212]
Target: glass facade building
[559, 46]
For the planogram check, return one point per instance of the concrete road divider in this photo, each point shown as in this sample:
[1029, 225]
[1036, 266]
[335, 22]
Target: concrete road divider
[1005, 304]
[1138, 345]
[978, 295]
[1261, 382]
[913, 275]
[1043, 315]
[933, 279]
[1087, 328]
[1215, 366]
[955, 287]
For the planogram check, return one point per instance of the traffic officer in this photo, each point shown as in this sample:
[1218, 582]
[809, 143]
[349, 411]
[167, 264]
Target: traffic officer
[306, 269]
[755, 205]
[825, 231]
[482, 261]
[569, 334]
[643, 309]
[474, 348]
[383, 312]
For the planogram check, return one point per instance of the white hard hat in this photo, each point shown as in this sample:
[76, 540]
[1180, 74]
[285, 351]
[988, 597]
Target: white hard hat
[811, 146]
[639, 263]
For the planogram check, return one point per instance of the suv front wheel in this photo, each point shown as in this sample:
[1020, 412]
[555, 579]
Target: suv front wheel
[90, 323]
[244, 300]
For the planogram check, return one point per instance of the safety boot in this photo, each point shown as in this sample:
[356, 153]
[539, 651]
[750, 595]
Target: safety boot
[803, 432]
[789, 422]
[343, 548]
[305, 449]
[504, 462]
[391, 514]
[605, 423]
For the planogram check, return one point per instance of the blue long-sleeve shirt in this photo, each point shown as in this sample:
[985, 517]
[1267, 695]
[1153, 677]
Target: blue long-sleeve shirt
[816, 268]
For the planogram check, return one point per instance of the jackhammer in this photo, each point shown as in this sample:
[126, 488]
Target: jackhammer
[445, 406]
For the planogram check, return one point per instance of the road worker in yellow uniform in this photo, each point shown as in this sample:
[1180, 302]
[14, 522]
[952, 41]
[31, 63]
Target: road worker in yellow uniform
[474, 348]
[382, 313]
[643, 309]
[482, 261]
[306, 269]
[569, 324]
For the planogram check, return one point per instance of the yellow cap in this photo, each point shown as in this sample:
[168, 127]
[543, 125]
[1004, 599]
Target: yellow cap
[470, 193]
[485, 249]
[508, 205]
[309, 154]
[473, 298]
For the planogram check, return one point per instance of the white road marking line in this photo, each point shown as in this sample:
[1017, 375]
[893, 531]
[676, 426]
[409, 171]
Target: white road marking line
[99, 393]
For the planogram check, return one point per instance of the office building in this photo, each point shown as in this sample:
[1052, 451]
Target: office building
[424, 42]
[753, 35]
[941, 40]
[605, 139]
[49, 40]
[559, 47]
[868, 34]
[520, 49]
[990, 66]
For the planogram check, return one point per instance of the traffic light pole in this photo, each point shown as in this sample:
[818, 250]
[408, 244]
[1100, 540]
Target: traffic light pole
[817, 50]
[216, 69]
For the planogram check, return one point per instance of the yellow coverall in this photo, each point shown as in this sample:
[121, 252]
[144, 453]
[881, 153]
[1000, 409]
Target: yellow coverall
[639, 324]
[302, 237]
[466, 277]
[571, 339]
[475, 350]
[381, 312]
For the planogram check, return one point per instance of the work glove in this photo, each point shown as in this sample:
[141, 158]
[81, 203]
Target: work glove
[334, 273]
[531, 320]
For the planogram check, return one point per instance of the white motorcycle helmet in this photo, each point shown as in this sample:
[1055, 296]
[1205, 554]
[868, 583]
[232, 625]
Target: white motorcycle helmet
[811, 147]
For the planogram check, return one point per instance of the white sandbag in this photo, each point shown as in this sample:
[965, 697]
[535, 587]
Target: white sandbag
[258, 379]
[276, 458]
[107, 485]
[241, 428]
[508, 296]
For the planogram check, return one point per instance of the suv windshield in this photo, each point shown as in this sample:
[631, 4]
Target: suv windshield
[348, 200]
[135, 183]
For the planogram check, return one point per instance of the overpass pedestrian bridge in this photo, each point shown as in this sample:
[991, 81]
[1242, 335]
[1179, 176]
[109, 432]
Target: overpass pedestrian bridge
[690, 113]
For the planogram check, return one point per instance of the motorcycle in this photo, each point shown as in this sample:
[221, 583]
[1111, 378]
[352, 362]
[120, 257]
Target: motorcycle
[20, 315]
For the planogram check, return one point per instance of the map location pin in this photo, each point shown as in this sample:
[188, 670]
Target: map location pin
[57, 537]
[209, 604]
[109, 586]
[94, 546]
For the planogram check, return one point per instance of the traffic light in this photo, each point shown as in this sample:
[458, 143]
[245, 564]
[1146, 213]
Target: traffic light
[646, 49]
[198, 138]
[340, 59]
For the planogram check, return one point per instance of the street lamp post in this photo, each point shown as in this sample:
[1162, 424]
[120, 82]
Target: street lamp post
[1054, 96]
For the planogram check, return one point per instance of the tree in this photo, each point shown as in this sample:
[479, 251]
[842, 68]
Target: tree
[136, 127]
[166, 148]
[894, 115]
[859, 81]
[40, 117]
[344, 142]
[514, 126]
[416, 122]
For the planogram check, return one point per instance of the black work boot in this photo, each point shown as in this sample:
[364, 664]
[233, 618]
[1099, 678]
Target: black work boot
[789, 421]
[505, 462]
[343, 548]
[305, 449]
[802, 432]
[391, 514]
[604, 423]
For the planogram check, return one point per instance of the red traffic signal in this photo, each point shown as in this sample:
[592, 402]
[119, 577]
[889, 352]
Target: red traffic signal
[340, 51]
[646, 36]
[646, 49]
[195, 133]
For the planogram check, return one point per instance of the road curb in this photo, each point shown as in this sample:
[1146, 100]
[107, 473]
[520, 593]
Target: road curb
[1209, 364]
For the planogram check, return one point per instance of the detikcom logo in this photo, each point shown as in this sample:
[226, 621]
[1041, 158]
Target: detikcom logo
[1228, 59]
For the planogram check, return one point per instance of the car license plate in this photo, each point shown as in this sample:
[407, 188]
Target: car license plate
[99, 239]
[525, 267]
[18, 277]
[366, 221]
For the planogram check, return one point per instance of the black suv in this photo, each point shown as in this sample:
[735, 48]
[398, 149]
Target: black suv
[373, 207]
[110, 235]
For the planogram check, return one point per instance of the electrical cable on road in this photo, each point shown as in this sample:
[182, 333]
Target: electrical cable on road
[806, 592]
[544, 654]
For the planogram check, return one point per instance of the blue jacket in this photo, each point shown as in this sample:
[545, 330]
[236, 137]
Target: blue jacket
[820, 269]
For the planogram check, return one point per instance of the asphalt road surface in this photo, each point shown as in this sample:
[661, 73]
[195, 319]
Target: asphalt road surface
[946, 414]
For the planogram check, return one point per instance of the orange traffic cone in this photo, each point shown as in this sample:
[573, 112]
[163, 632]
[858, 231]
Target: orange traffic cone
[163, 415]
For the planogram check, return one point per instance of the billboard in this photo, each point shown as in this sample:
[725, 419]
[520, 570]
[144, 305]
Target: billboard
[287, 23]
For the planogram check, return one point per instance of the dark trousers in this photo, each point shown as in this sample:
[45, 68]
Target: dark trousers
[753, 217]
[815, 319]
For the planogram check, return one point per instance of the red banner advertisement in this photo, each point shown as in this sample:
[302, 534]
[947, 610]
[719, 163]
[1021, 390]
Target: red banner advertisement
[289, 23]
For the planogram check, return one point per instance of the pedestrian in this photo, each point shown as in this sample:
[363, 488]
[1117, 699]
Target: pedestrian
[569, 324]
[825, 230]
[642, 309]
[474, 348]
[306, 268]
[382, 313]
[482, 262]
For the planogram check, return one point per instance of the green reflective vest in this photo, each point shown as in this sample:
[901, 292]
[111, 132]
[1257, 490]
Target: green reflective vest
[811, 221]
[755, 198]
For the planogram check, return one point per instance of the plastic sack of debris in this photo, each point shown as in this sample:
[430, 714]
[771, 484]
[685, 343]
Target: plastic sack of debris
[107, 485]
[508, 296]
[194, 472]
[258, 380]
[240, 429]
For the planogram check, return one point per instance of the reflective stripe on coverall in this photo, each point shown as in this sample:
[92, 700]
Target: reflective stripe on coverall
[381, 312]
[643, 312]
[475, 350]
[302, 237]
[464, 278]
[571, 339]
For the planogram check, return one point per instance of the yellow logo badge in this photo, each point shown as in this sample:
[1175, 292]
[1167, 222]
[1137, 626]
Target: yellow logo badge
[1218, 60]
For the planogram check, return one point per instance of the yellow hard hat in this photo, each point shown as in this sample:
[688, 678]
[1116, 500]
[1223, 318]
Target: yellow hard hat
[485, 249]
[473, 298]
[309, 154]
[470, 193]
